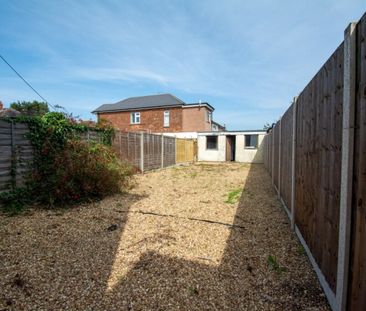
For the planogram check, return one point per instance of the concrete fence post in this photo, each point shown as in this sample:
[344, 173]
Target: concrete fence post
[142, 152]
[293, 162]
[162, 150]
[349, 97]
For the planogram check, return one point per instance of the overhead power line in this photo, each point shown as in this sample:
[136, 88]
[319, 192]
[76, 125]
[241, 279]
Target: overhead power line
[27, 83]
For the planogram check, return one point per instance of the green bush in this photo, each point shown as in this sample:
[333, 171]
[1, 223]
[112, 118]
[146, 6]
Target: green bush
[68, 169]
[80, 171]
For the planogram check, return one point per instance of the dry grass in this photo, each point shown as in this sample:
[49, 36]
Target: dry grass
[171, 243]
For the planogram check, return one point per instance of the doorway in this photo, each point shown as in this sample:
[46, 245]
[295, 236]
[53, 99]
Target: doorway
[230, 147]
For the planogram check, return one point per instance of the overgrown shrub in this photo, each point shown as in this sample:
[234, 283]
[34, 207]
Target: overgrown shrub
[80, 171]
[67, 169]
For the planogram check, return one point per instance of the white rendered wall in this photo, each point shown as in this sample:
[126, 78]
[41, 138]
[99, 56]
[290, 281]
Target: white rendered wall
[190, 135]
[248, 155]
[210, 154]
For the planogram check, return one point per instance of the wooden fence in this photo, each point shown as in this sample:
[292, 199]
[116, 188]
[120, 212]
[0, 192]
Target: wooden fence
[186, 150]
[16, 152]
[316, 155]
[151, 151]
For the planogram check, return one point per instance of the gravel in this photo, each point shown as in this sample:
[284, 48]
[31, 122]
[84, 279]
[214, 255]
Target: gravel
[173, 242]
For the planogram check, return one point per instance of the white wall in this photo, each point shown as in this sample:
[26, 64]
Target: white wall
[248, 155]
[191, 135]
[209, 154]
[241, 154]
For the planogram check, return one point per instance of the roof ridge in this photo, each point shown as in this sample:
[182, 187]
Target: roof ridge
[146, 96]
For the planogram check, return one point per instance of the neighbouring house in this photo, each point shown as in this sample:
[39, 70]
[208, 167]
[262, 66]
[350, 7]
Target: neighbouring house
[7, 112]
[216, 127]
[240, 146]
[162, 113]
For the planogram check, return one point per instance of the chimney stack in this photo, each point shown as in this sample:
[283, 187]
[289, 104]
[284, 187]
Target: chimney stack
[1, 105]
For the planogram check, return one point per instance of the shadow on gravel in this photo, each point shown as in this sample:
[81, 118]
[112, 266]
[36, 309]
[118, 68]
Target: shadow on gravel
[243, 280]
[78, 265]
[67, 257]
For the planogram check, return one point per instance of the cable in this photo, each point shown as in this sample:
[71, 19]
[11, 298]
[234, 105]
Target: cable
[18, 74]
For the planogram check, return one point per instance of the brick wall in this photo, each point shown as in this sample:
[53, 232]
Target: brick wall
[151, 120]
[195, 119]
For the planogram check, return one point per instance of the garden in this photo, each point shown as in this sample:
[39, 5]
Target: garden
[197, 237]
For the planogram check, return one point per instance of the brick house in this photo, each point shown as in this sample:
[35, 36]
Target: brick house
[162, 113]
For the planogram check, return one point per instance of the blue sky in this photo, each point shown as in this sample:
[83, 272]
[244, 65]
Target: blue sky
[246, 58]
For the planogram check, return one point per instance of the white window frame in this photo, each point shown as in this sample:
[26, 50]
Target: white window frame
[166, 118]
[135, 118]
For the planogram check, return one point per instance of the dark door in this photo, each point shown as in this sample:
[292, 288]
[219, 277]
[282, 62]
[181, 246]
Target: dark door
[230, 148]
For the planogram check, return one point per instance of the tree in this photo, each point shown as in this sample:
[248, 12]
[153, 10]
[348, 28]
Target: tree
[34, 108]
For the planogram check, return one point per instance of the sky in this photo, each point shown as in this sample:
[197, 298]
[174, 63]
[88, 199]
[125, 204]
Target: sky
[248, 59]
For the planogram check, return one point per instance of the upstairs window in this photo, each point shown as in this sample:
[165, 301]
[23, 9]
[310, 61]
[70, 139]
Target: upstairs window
[166, 118]
[211, 142]
[251, 141]
[135, 118]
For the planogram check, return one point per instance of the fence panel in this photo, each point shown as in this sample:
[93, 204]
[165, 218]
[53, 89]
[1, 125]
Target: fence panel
[357, 297]
[318, 164]
[92, 136]
[286, 156]
[265, 151]
[152, 151]
[185, 150]
[270, 151]
[276, 148]
[5, 155]
[128, 147]
[169, 151]
[16, 154]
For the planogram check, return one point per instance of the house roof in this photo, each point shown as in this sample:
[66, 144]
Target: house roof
[146, 102]
[199, 104]
[238, 132]
[142, 102]
[218, 124]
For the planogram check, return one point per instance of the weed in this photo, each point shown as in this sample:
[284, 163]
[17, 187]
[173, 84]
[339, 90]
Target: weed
[301, 250]
[193, 175]
[233, 196]
[274, 265]
[193, 290]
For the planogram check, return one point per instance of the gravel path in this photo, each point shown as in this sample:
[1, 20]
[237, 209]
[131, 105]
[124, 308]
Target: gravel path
[199, 237]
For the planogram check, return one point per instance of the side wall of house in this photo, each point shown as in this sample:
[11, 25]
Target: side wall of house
[248, 155]
[205, 154]
[151, 120]
[195, 119]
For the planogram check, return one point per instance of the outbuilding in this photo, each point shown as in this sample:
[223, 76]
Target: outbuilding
[239, 146]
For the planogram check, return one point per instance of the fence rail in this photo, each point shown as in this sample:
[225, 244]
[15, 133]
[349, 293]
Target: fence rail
[316, 156]
[152, 151]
